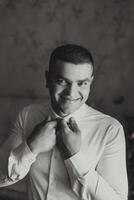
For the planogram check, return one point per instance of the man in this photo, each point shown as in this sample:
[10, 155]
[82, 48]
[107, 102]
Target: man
[69, 150]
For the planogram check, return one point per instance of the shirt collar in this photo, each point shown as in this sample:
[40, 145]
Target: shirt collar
[77, 115]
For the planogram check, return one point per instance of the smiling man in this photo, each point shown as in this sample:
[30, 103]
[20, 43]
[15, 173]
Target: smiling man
[69, 150]
[69, 86]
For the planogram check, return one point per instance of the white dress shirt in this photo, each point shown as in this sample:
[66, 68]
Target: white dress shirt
[96, 172]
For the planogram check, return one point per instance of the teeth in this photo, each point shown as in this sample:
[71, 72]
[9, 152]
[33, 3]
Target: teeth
[71, 100]
[67, 99]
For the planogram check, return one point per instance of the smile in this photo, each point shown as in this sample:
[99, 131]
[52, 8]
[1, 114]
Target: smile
[70, 99]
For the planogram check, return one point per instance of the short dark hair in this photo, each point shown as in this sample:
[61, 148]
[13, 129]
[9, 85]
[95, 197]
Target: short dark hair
[70, 53]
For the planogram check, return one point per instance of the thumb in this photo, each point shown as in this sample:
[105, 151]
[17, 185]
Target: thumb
[63, 125]
[52, 123]
[73, 125]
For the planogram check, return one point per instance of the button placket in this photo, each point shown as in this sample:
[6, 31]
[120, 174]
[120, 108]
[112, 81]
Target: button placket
[51, 176]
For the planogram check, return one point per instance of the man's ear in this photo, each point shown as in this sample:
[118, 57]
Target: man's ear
[92, 78]
[47, 79]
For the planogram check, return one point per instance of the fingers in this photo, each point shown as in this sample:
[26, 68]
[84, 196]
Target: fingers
[64, 125]
[52, 123]
[67, 126]
[73, 125]
[45, 123]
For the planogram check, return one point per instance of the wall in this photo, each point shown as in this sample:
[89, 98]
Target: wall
[30, 29]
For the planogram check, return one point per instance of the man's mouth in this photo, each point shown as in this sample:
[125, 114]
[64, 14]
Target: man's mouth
[69, 99]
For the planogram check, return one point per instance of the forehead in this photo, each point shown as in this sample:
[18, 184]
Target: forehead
[72, 71]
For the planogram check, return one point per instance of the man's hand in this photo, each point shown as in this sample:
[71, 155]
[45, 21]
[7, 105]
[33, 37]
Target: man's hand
[68, 138]
[43, 138]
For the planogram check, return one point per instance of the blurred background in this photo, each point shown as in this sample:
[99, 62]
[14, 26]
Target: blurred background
[31, 29]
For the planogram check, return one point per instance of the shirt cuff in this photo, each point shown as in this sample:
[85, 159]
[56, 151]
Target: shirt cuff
[31, 157]
[79, 164]
[20, 160]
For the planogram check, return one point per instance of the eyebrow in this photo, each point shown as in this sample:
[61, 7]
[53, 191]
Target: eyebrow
[66, 79]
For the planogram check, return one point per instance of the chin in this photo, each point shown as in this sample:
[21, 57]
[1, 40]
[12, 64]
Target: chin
[68, 111]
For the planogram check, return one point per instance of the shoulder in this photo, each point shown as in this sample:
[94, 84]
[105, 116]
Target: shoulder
[102, 118]
[108, 126]
[34, 111]
[35, 108]
[30, 116]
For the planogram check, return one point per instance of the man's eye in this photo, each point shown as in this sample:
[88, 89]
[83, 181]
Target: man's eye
[61, 82]
[83, 83]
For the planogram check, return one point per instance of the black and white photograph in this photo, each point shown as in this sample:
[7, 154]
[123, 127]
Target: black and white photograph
[66, 100]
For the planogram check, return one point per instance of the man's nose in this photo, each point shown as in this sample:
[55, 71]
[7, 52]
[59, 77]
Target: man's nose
[71, 90]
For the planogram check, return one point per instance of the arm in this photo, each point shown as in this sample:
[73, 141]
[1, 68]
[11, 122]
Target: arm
[19, 156]
[109, 179]
[15, 156]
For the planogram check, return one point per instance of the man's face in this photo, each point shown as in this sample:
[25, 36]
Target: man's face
[69, 86]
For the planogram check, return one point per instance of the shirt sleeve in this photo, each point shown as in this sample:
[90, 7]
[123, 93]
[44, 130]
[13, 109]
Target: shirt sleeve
[19, 162]
[15, 154]
[109, 179]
